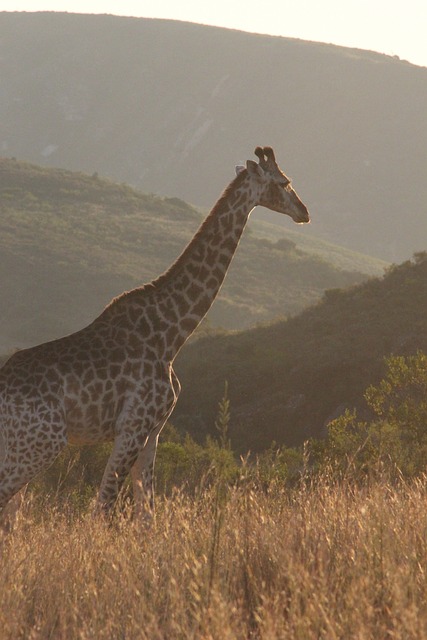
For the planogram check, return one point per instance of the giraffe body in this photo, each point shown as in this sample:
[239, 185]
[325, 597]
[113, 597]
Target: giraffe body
[113, 380]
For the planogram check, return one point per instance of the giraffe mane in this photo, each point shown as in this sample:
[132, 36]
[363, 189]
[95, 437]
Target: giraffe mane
[147, 289]
[144, 289]
[218, 208]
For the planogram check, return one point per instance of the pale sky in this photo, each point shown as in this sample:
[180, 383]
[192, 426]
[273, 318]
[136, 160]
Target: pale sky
[387, 26]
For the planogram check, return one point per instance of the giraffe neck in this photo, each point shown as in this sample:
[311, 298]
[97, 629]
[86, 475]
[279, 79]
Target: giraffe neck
[192, 283]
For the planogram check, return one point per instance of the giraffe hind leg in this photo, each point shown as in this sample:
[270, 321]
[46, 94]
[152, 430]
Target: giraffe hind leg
[18, 466]
[12, 506]
[10, 512]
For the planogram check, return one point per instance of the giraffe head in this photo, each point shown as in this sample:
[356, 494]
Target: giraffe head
[275, 188]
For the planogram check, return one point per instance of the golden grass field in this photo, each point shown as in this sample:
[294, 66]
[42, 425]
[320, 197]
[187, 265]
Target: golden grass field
[329, 560]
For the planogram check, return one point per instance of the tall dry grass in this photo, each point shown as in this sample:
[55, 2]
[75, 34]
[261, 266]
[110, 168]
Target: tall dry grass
[322, 561]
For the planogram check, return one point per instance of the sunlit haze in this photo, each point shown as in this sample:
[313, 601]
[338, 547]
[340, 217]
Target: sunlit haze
[386, 26]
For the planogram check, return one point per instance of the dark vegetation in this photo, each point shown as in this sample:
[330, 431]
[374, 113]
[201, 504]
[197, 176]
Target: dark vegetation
[288, 379]
[70, 242]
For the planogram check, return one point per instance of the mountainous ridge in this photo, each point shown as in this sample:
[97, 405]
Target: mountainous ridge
[167, 106]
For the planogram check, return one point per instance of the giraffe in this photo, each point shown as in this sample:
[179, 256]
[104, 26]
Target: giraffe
[114, 380]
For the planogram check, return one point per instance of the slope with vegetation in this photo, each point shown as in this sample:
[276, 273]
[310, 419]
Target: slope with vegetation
[287, 380]
[70, 242]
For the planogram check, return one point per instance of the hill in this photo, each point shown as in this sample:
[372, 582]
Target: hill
[287, 380]
[166, 106]
[69, 242]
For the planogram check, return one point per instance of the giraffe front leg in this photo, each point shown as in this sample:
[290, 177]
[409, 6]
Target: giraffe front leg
[142, 474]
[135, 446]
[143, 469]
[125, 451]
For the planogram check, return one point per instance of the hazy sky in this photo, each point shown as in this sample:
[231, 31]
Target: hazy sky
[388, 26]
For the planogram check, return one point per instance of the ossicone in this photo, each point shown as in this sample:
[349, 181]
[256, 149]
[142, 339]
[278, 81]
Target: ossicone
[266, 156]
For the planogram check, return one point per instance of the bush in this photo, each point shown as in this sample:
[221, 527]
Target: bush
[395, 440]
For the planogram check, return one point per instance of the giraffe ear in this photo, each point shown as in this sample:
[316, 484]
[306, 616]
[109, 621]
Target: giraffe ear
[254, 169]
[239, 168]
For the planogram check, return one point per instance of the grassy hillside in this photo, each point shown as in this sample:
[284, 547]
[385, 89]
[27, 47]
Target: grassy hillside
[287, 380]
[70, 242]
[169, 106]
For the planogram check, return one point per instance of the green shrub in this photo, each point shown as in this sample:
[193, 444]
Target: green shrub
[395, 439]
